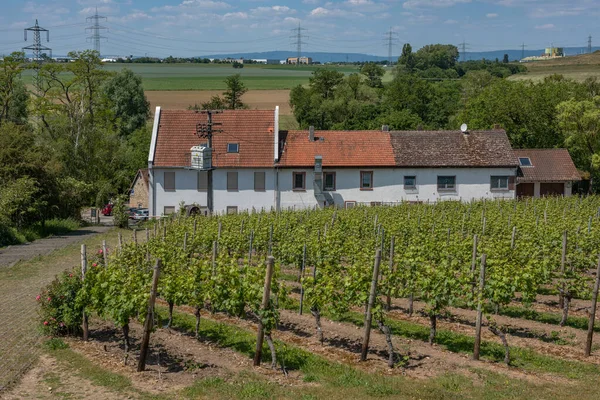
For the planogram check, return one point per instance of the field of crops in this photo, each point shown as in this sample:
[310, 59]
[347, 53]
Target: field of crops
[211, 76]
[420, 274]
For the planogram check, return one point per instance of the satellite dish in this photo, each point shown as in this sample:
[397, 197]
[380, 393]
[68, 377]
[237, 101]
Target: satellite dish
[463, 128]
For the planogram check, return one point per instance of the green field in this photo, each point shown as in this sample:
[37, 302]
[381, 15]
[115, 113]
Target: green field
[537, 72]
[211, 76]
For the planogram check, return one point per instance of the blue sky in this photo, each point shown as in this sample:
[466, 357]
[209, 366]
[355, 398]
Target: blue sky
[196, 27]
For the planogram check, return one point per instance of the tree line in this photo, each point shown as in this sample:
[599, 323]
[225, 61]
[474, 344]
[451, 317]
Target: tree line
[429, 89]
[73, 138]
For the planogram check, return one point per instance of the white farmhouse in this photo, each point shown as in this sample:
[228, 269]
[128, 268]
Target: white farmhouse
[254, 165]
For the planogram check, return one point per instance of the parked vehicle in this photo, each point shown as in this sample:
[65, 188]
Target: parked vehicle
[131, 212]
[141, 214]
[107, 210]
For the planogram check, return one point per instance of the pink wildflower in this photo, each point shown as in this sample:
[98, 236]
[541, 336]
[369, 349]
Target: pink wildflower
[100, 251]
[94, 265]
[70, 275]
[49, 299]
[45, 322]
[38, 298]
[62, 324]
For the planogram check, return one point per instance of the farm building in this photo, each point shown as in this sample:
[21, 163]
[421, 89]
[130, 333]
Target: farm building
[545, 172]
[254, 165]
[138, 192]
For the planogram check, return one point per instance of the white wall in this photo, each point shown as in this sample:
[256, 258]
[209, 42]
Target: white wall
[245, 198]
[186, 189]
[472, 183]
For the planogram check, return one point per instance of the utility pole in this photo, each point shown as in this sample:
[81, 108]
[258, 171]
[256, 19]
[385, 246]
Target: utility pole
[37, 48]
[205, 131]
[96, 28]
[298, 36]
[590, 44]
[391, 39]
[523, 50]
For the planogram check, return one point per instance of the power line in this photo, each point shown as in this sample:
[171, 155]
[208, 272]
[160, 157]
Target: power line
[391, 38]
[523, 51]
[463, 52]
[590, 44]
[96, 28]
[298, 36]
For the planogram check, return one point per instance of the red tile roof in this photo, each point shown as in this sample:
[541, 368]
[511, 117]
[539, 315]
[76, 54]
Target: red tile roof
[338, 149]
[452, 149]
[251, 129]
[547, 165]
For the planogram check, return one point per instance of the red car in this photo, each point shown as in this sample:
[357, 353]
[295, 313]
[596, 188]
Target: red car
[107, 210]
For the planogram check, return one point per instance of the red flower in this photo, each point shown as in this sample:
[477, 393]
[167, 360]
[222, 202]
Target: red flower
[100, 251]
[94, 265]
[45, 322]
[49, 299]
[38, 297]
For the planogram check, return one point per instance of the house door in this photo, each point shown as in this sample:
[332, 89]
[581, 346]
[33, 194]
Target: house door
[552, 189]
[525, 190]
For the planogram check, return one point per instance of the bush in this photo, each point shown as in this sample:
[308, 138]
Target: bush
[60, 313]
[119, 211]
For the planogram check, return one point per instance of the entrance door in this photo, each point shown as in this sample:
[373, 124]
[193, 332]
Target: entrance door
[552, 189]
[525, 190]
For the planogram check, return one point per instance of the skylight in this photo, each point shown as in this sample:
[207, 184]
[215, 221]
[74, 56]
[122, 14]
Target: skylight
[524, 162]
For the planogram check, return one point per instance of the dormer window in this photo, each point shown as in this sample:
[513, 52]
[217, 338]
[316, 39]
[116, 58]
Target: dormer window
[524, 162]
[233, 147]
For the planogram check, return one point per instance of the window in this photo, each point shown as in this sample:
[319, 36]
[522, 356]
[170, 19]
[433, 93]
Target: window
[299, 181]
[329, 181]
[446, 183]
[410, 182]
[169, 183]
[202, 181]
[233, 147]
[350, 204]
[169, 210]
[524, 162]
[259, 181]
[232, 210]
[376, 203]
[499, 182]
[232, 181]
[366, 180]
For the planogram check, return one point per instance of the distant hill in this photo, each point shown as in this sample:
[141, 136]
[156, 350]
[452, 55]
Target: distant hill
[325, 57]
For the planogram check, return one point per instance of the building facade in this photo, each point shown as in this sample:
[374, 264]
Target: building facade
[254, 165]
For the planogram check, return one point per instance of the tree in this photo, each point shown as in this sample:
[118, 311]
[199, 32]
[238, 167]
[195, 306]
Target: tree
[443, 56]
[324, 82]
[407, 58]
[13, 94]
[235, 90]
[237, 65]
[374, 73]
[579, 122]
[505, 59]
[125, 96]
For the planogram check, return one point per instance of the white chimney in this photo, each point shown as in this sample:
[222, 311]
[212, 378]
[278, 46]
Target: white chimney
[276, 135]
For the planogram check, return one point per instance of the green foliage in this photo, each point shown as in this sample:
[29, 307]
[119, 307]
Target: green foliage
[374, 73]
[237, 65]
[120, 212]
[126, 99]
[60, 313]
[324, 81]
[13, 94]
[235, 91]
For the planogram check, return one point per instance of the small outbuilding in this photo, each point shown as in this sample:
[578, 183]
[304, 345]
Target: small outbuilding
[138, 192]
[545, 172]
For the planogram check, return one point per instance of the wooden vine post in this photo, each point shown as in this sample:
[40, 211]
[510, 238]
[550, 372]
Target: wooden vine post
[479, 309]
[104, 255]
[590, 334]
[260, 336]
[369, 313]
[214, 257]
[83, 272]
[388, 302]
[302, 276]
[563, 261]
[120, 241]
[135, 236]
[148, 322]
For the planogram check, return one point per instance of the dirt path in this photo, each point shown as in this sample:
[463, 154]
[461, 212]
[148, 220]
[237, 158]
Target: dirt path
[20, 284]
[13, 254]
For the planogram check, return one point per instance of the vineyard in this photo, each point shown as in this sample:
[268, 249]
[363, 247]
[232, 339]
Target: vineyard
[375, 267]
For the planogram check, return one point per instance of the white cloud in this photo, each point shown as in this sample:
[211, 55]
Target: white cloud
[101, 10]
[359, 2]
[545, 26]
[450, 22]
[414, 4]
[274, 10]
[310, 1]
[321, 12]
[52, 9]
[491, 15]
[236, 15]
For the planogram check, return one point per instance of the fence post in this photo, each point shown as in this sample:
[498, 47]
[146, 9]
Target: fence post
[301, 276]
[260, 336]
[369, 315]
[104, 255]
[83, 272]
[392, 273]
[148, 322]
[135, 236]
[563, 261]
[479, 309]
[590, 335]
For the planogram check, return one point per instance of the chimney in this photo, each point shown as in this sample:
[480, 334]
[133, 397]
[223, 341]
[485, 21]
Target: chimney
[311, 133]
[385, 128]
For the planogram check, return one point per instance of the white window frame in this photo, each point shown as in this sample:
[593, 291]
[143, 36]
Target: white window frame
[528, 160]
[499, 178]
[410, 187]
[332, 188]
[230, 148]
[446, 189]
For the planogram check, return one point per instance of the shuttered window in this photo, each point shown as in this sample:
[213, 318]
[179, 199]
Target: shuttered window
[259, 181]
[169, 183]
[232, 181]
[202, 181]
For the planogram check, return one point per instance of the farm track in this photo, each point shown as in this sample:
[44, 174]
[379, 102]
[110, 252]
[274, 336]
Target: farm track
[19, 285]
